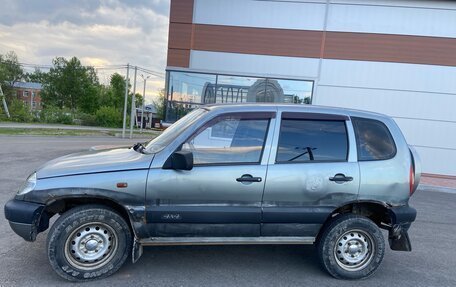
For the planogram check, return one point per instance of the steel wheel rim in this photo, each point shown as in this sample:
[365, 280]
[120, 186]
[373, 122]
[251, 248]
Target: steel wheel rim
[354, 250]
[91, 246]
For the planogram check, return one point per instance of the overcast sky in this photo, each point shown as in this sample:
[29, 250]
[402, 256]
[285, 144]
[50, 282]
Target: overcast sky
[99, 32]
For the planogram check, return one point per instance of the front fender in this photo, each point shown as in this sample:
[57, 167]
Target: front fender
[95, 188]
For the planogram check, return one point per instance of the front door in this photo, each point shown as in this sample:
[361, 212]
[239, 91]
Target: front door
[221, 196]
[312, 171]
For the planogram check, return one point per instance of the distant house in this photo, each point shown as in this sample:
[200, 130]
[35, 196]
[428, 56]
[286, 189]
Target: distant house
[29, 93]
[150, 116]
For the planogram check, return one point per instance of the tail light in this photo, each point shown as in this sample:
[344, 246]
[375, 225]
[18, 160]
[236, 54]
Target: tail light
[412, 179]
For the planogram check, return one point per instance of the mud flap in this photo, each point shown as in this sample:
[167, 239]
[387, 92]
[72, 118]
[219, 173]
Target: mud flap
[136, 251]
[399, 240]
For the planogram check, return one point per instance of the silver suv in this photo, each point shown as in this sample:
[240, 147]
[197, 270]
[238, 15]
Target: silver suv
[230, 174]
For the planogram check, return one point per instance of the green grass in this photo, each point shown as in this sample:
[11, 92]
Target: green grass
[65, 132]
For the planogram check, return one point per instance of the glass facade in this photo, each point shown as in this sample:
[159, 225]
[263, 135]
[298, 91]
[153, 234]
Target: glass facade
[188, 90]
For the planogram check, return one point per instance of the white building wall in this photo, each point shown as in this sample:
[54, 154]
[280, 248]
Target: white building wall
[308, 15]
[395, 76]
[421, 98]
[255, 65]
[394, 17]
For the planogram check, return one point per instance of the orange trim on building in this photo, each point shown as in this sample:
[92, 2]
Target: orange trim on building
[310, 44]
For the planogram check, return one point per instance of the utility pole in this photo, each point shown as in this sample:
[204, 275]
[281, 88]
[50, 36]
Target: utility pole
[144, 100]
[5, 106]
[127, 82]
[133, 105]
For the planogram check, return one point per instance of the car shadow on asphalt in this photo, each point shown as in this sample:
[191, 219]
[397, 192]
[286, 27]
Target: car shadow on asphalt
[227, 261]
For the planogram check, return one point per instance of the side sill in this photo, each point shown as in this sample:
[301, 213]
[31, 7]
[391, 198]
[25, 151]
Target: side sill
[226, 240]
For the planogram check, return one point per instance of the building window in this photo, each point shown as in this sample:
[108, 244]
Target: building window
[26, 94]
[34, 104]
[295, 92]
[188, 90]
[233, 89]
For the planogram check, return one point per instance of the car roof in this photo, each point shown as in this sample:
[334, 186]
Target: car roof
[258, 107]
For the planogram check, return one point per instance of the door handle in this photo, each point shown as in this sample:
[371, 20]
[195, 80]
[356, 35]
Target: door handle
[340, 177]
[248, 178]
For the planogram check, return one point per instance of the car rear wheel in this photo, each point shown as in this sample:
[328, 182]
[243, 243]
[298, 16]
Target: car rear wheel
[88, 242]
[351, 247]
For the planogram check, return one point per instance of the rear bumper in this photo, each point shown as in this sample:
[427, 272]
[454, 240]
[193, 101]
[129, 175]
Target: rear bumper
[401, 220]
[26, 219]
[402, 214]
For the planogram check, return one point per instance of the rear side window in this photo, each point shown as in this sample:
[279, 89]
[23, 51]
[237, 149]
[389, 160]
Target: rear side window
[373, 140]
[303, 140]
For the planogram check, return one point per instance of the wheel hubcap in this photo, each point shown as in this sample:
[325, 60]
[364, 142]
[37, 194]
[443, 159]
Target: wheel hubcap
[354, 250]
[91, 246]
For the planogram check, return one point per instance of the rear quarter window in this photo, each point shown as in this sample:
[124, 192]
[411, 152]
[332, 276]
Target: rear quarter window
[373, 140]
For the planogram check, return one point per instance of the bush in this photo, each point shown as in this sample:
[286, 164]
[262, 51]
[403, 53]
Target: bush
[19, 111]
[86, 119]
[3, 116]
[109, 117]
[55, 115]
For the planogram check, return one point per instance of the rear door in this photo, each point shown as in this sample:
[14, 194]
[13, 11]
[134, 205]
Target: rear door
[312, 170]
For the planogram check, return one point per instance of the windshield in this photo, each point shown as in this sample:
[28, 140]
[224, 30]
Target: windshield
[158, 143]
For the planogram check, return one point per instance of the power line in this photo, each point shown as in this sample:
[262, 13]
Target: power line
[100, 67]
[150, 72]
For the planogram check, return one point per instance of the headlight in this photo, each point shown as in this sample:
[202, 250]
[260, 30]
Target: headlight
[29, 185]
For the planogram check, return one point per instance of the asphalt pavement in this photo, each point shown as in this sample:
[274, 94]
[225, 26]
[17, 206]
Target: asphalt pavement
[431, 263]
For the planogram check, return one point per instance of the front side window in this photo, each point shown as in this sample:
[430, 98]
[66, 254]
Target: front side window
[229, 139]
[303, 140]
[171, 133]
[373, 140]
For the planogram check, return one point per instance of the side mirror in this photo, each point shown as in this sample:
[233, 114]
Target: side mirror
[180, 160]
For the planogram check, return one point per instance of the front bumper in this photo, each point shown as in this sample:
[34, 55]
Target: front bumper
[26, 219]
[401, 220]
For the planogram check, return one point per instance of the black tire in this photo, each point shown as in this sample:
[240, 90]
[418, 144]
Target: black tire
[351, 247]
[88, 242]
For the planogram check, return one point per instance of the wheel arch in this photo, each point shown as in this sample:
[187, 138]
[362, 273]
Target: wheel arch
[65, 203]
[376, 211]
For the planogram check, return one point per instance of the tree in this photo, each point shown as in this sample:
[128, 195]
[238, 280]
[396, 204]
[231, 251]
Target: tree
[10, 72]
[117, 84]
[160, 104]
[10, 69]
[37, 76]
[138, 100]
[72, 85]
[297, 99]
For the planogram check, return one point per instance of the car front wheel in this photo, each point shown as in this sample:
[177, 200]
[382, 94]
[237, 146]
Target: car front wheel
[351, 247]
[88, 242]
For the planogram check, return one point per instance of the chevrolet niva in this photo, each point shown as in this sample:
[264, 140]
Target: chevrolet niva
[230, 174]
